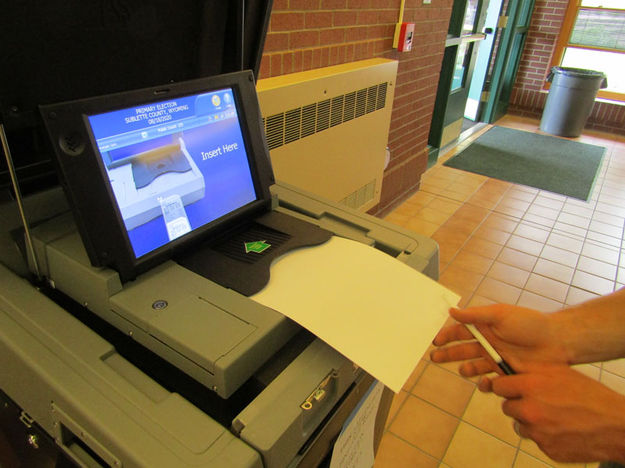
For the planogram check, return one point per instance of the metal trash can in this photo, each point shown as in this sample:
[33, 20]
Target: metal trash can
[570, 100]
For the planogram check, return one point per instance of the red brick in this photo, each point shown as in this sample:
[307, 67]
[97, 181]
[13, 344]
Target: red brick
[303, 4]
[286, 21]
[345, 18]
[287, 63]
[388, 16]
[316, 58]
[367, 17]
[318, 19]
[307, 59]
[264, 70]
[332, 36]
[276, 41]
[392, 4]
[357, 33]
[325, 57]
[276, 65]
[280, 5]
[333, 4]
[303, 39]
[358, 3]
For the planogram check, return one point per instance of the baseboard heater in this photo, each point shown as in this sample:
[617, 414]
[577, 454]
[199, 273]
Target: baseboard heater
[327, 129]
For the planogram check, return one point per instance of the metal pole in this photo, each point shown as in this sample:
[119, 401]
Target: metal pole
[30, 250]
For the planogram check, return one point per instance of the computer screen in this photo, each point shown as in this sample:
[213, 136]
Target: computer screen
[154, 172]
[174, 165]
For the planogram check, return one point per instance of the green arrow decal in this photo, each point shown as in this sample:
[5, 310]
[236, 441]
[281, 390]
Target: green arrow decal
[256, 246]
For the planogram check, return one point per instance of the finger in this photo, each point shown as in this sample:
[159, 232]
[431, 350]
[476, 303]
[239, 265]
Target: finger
[460, 352]
[485, 385]
[514, 409]
[451, 333]
[510, 386]
[477, 367]
[477, 315]
[522, 430]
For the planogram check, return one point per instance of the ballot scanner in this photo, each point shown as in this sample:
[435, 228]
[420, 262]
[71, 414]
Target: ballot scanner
[136, 342]
[95, 392]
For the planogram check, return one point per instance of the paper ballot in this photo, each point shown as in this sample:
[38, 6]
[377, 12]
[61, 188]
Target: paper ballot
[369, 306]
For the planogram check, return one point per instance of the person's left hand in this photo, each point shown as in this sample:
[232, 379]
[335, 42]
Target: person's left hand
[571, 417]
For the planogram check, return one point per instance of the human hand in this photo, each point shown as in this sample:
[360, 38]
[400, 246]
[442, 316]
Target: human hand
[571, 417]
[520, 336]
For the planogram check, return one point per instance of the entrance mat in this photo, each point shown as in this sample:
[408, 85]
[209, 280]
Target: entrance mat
[544, 162]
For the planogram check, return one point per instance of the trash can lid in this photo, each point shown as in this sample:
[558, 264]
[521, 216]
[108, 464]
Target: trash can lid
[578, 72]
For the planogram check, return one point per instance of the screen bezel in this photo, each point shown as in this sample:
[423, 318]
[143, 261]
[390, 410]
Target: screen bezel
[91, 196]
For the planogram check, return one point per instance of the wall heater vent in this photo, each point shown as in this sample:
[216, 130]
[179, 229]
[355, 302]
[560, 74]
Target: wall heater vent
[291, 125]
[327, 129]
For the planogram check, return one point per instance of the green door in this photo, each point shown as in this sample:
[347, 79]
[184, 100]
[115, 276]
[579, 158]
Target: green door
[461, 46]
[513, 32]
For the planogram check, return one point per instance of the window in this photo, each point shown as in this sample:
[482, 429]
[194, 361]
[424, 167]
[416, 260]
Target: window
[593, 37]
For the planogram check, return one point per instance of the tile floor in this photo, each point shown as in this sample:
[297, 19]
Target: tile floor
[501, 242]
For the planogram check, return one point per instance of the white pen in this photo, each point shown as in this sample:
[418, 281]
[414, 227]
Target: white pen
[503, 365]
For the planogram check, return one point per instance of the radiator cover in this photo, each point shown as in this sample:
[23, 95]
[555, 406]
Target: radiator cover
[327, 129]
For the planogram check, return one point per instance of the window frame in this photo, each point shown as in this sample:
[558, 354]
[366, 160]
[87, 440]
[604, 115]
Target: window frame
[563, 42]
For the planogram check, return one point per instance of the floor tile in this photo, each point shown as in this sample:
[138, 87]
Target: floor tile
[525, 245]
[616, 367]
[396, 403]
[472, 448]
[523, 460]
[597, 268]
[532, 233]
[394, 453]
[424, 426]
[492, 235]
[557, 255]
[501, 223]
[554, 270]
[484, 412]
[592, 283]
[508, 274]
[421, 226]
[499, 291]
[445, 390]
[457, 278]
[566, 242]
[601, 253]
[518, 259]
[535, 301]
[577, 296]
[415, 375]
[433, 215]
[547, 287]
[613, 381]
[483, 247]
[472, 262]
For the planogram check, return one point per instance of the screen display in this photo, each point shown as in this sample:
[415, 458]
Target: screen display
[174, 166]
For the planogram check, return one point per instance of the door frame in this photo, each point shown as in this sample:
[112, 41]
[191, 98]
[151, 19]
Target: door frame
[513, 32]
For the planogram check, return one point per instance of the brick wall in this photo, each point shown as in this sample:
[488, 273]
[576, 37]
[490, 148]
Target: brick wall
[528, 98]
[307, 34]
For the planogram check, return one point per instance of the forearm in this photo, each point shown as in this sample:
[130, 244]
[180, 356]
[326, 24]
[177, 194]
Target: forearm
[593, 330]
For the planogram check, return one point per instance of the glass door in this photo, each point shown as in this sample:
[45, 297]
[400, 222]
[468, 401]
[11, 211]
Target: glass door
[514, 28]
[463, 40]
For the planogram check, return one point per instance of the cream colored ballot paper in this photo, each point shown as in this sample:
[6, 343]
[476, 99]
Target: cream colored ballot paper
[369, 306]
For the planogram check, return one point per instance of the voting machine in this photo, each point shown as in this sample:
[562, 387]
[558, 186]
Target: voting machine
[127, 334]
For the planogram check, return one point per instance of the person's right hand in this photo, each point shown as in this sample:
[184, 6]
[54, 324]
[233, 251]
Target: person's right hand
[521, 336]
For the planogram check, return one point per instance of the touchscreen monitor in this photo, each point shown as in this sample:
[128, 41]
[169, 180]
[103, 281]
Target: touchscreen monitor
[149, 172]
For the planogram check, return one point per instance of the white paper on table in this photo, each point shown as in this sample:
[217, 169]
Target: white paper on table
[354, 445]
[369, 306]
